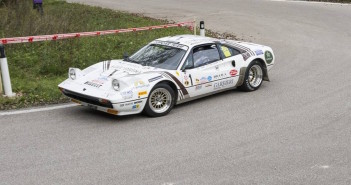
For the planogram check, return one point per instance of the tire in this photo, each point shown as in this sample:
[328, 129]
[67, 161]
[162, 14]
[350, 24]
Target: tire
[253, 77]
[156, 107]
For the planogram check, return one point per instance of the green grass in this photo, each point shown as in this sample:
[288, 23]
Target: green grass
[37, 68]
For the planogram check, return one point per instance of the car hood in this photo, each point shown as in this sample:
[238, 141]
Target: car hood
[119, 66]
[101, 74]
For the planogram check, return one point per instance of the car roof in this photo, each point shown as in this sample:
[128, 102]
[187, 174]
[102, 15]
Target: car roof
[188, 40]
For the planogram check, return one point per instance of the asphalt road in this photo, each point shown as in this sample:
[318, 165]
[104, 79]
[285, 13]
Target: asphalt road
[295, 129]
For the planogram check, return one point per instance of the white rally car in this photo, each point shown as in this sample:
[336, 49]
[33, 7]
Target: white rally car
[169, 71]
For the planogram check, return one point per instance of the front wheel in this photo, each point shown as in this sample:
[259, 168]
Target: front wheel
[160, 102]
[253, 77]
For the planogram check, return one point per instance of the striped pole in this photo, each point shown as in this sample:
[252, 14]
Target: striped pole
[5, 73]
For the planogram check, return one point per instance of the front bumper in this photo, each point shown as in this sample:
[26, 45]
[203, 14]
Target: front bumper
[105, 105]
[87, 99]
[96, 107]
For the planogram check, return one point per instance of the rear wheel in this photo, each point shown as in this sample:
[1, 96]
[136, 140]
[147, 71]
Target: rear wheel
[161, 101]
[253, 77]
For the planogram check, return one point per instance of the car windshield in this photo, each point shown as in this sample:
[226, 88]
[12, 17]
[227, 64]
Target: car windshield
[160, 56]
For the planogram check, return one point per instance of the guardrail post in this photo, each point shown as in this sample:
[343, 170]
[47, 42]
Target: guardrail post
[202, 28]
[5, 73]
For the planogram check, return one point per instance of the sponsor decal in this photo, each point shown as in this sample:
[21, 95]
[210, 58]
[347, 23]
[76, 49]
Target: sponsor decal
[198, 87]
[209, 78]
[97, 82]
[216, 67]
[103, 79]
[203, 80]
[233, 72]
[183, 92]
[220, 76]
[93, 84]
[208, 85]
[268, 56]
[223, 84]
[186, 83]
[142, 93]
[139, 83]
[259, 52]
[156, 78]
[127, 94]
[126, 104]
[197, 81]
[226, 51]
[142, 86]
[177, 73]
[136, 106]
[186, 77]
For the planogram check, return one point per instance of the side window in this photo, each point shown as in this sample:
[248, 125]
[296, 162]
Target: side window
[189, 63]
[228, 51]
[205, 55]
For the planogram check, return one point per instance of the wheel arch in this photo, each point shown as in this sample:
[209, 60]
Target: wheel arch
[172, 85]
[243, 72]
[265, 71]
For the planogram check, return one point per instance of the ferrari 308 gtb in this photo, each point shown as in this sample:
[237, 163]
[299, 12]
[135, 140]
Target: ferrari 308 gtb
[169, 71]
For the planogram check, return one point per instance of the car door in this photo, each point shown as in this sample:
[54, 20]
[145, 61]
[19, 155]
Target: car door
[227, 75]
[200, 68]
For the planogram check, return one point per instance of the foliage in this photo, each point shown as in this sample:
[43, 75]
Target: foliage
[37, 68]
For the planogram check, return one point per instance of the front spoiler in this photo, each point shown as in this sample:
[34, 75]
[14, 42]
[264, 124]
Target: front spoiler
[106, 105]
[88, 99]
[96, 107]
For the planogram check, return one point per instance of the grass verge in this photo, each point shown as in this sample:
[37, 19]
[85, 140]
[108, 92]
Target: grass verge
[37, 68]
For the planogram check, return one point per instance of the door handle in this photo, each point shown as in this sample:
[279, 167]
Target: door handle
[233, 63]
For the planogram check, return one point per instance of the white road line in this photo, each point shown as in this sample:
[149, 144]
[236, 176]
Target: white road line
[316, 2]
[6, 113]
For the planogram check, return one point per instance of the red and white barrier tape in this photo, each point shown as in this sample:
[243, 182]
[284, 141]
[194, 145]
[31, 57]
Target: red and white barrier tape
[38, 38]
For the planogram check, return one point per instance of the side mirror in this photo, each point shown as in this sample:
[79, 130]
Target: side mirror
[187, 67]
[125, 56]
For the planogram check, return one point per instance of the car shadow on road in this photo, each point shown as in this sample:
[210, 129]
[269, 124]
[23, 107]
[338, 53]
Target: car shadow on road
[102, 117]
[108, 118]
[210, 97]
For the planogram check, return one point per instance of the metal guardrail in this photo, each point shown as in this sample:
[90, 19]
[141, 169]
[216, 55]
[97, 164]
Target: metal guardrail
[5, 80]
[39, 38]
